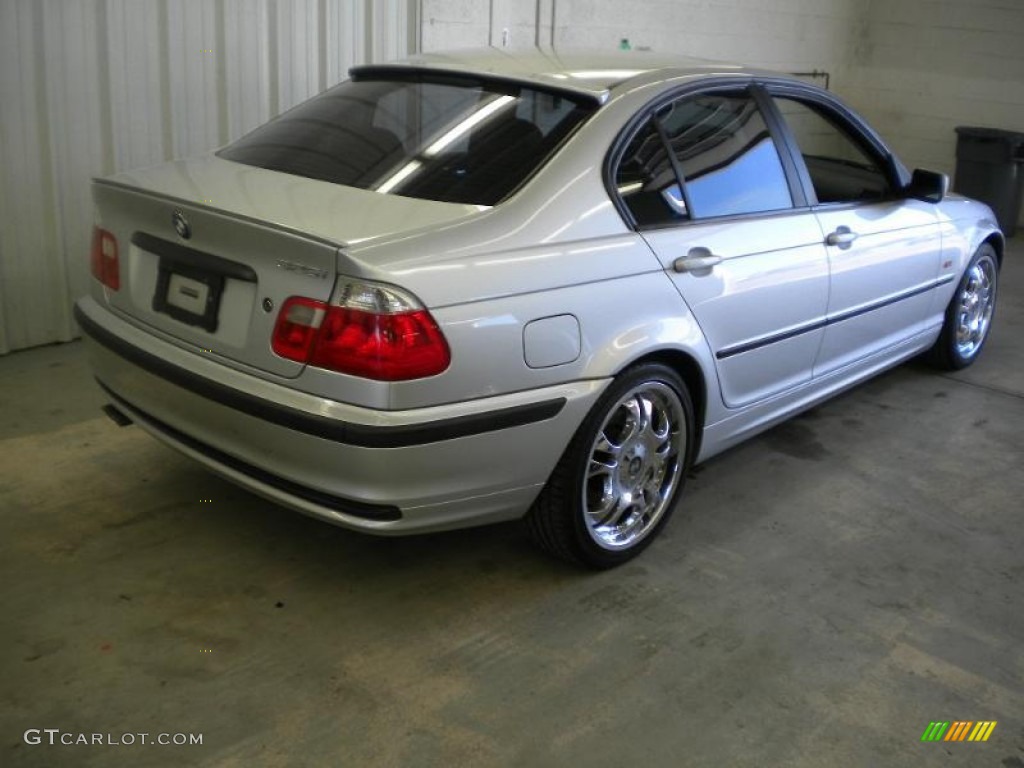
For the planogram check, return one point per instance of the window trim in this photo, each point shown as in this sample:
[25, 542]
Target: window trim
[746, 85]
[677, 168]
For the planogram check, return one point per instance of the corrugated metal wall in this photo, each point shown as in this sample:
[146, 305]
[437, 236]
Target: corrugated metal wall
[91, 87]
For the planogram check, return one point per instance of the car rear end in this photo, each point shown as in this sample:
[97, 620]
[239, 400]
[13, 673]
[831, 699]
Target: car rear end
[226, 320]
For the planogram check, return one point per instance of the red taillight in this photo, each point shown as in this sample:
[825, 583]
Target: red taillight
[296, 327]
[386, 347]
[396, 340]
[104, 260]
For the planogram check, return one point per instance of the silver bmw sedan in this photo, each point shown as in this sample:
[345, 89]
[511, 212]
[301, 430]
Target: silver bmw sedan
[481, 286]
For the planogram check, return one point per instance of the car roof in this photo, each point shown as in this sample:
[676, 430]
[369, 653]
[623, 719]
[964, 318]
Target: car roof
[596, 74]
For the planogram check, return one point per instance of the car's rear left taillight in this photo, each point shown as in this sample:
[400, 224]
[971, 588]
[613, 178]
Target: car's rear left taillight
[106, 267]
[370, 330]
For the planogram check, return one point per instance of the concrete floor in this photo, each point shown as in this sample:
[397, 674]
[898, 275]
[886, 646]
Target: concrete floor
[827, 590]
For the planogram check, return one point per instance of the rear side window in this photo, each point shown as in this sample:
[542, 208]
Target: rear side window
[646, 181]
[451, 140]
[719, 160]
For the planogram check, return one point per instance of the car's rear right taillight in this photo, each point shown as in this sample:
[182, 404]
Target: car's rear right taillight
[370, 330]
[106, 266]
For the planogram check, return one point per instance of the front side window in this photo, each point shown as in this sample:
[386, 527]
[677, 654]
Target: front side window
[453, 140]
[721, 151]
[841, 168]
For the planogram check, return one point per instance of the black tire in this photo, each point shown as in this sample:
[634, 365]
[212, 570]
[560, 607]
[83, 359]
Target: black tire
[953, 351]
[559, 521]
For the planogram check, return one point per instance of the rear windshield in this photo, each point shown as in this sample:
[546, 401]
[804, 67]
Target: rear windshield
[452, 140]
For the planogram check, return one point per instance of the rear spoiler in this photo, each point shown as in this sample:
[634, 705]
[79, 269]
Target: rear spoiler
[421, 74]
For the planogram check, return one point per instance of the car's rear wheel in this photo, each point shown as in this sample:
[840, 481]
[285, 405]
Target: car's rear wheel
[614, 488]
[969, 314]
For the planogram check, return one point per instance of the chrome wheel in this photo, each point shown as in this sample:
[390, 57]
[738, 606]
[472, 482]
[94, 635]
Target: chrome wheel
[635, 464]
[975, 303]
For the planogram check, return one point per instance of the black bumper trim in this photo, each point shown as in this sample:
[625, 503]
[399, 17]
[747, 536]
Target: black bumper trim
[361, 509]
[361, 435]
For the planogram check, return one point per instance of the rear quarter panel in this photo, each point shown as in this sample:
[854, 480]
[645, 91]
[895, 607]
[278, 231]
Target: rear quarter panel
[620, 319]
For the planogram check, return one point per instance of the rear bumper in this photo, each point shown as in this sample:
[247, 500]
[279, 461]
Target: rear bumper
[395, 472]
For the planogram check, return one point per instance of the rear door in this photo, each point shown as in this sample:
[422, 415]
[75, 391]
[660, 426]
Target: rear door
[706, 187]
[884, 250]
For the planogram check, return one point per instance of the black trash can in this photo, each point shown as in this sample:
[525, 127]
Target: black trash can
[990, 168]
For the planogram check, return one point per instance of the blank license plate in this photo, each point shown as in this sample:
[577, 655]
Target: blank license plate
[188, 295]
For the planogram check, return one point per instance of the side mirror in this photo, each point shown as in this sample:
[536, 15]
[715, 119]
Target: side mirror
[929, 186]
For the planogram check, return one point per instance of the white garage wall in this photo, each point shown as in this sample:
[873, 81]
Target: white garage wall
[926, 66]
[789, 35]
[91, 87]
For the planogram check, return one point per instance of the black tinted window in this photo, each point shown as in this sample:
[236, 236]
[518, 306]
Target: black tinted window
[841, 168]
[646, 181]
[453, 141]
[728, 160]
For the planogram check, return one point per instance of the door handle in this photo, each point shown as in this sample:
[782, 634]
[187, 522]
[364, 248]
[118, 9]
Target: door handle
[696, 260]
[843, 237]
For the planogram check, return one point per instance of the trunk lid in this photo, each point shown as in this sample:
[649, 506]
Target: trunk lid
[209, 249]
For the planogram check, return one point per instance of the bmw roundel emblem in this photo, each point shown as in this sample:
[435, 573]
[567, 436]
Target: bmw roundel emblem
[181, 225]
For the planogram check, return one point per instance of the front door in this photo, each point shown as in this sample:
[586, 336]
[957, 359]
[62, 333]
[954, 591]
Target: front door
[884, 251]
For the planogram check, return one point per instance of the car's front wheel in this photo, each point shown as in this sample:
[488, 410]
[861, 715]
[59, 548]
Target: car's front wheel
[969, 314]
[614, 488]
